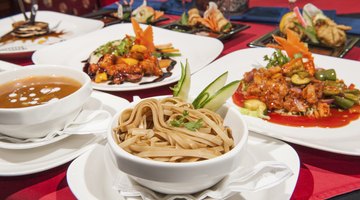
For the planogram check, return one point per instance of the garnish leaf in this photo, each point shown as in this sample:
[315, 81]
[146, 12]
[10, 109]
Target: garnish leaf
[184, 19]
[192, 126]
[277, 59]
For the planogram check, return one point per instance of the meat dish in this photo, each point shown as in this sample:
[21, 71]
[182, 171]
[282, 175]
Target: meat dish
[291, 85]
[131, 58]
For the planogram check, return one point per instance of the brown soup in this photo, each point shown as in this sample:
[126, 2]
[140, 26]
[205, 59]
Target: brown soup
[36, 90]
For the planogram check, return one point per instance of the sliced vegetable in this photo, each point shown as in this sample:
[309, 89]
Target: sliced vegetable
[343, 102]
[219, 98]
[255, 105]
[253, 113]
[184, 19]
[297, 80]
[331, 90]
[181, 89]
[352, 97]
[210, 90]
[352, 91]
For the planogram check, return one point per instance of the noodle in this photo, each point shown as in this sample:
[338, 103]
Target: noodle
[171, 130]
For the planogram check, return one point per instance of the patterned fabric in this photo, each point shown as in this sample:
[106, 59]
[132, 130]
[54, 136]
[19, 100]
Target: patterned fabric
[72, 7]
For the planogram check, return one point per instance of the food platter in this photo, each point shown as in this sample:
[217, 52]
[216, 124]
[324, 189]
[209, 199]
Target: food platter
[74, 52]
[109, 17]
[315, 48]
[14, 162]
[341, 140]
[89, 177]
[65, 27]
[175, 26]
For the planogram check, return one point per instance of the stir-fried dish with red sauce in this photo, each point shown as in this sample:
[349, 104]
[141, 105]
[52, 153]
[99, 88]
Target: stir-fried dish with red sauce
[290, 85]
[131, 58]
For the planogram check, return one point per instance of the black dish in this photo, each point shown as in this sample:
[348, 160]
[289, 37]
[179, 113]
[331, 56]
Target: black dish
[176, 26]
[314, 48]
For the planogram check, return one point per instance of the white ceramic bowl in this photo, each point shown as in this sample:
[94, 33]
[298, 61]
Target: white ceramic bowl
[37, 121]
[183, 178]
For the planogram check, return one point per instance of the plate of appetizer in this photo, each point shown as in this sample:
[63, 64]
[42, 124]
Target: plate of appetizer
[143, 14]
[119, 59]
[320, 32]
[21, 37]
[211, 24]
[293, 95]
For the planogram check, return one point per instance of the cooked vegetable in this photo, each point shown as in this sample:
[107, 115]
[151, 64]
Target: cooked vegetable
[255, 105]
[343, 102]
[297, 80]
[328, 74]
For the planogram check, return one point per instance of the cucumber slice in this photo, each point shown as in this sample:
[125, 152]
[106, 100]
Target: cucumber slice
[181, 89]
[219, 98]
[210, 90]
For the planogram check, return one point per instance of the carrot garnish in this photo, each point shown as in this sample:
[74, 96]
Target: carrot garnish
[293, 47]
[146, 37]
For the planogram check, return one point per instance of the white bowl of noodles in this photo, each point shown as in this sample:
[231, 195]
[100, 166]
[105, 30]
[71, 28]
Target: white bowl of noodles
[161, 158]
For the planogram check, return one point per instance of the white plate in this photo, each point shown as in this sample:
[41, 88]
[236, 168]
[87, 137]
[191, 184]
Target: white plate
[87, 179]
[199, 51]
[27, 161]
[92, 104]
[72, 26]
[29, 145]
[342, 140]
[6, 66]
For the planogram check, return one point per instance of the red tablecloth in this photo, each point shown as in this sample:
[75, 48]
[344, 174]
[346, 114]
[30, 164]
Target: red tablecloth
[322, 174]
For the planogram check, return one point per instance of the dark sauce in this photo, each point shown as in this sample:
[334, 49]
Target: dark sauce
[7, 38]
[158, 79]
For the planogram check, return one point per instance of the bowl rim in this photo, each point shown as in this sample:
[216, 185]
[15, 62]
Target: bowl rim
[85, 77]
[135, 159]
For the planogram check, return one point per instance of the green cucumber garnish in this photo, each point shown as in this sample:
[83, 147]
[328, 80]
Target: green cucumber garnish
[210, 90]
[219, 98]
[181, 89]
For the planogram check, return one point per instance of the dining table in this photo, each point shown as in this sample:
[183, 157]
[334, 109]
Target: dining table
[323, 175]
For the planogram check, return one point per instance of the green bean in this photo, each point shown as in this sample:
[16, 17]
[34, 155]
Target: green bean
[352, 97]
[343, 102]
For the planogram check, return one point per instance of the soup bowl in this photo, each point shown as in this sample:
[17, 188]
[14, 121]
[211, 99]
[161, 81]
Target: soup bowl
[182, 178]
[39, 120]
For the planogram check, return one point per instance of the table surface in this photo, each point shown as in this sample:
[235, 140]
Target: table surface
[322, 174]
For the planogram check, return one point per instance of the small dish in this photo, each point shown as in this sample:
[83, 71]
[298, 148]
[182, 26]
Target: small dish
[15, 162]
[314, 48]
[92, 177]
[182, 177]
[92, 106]
[42, 118]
